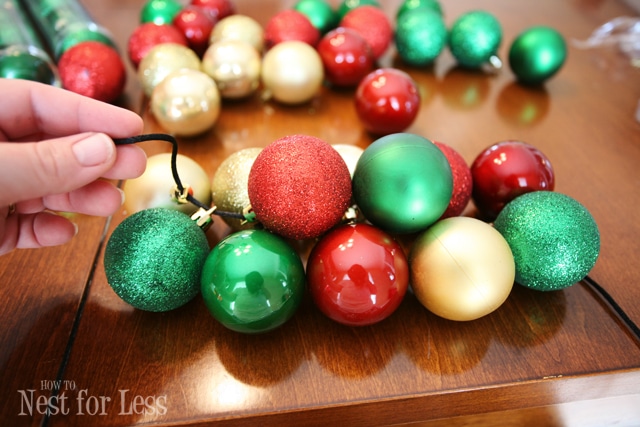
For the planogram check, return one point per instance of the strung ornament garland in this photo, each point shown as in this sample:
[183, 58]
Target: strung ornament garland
[460, 268]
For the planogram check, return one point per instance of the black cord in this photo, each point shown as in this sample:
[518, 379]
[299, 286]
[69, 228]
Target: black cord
[614, 305]
[174, 169]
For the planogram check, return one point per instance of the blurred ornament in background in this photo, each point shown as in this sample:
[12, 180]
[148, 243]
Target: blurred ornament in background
[319, 12]
[537, 54]
[239, 27]
[235, 66]
[474, 39]
[346, 56]
[420, 36]
[148, 35]
[290, 24]
[196, 25]
[373, 25]
[160, 12]
[162, 60]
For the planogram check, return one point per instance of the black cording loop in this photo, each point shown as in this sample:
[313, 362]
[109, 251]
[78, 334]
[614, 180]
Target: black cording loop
[614, 305]
[174, 169]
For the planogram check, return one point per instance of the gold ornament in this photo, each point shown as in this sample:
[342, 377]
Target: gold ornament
[230, 185]
[239, 27]
[292, 72]
[461, 268]
[153, 189]
[235, 67]
[350, 154]
[163, 59]
[186, 102]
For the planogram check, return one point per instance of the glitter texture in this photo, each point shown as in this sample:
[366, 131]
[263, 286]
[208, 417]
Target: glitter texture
[420, 36]
[554, 239]
[462, 181]
[149, 35]
[290, 25]
[299, 186]
[474, 38]
[373, 25]
[154, 259]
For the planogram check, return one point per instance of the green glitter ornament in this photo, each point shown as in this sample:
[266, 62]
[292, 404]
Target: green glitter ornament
[348, 5]
[420, 36]
[537, 54]
[554, 239]
[412, 5]
[402, 183]
[319, 12]
[160, 11]
[154, 259]
[474, 38]
[253, 281]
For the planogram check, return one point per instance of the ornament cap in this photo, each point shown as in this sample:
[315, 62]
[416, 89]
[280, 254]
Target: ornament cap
[203, 218]
[180, 196]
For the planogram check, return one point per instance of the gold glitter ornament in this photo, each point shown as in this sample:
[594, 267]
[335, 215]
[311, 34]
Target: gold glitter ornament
[186, 102]
[239, 27]
[161, 61]
[461, 268]
[292, 72]
[153, 188]
[230, 183]
[235, 67]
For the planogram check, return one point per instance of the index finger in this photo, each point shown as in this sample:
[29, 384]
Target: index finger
[29, 108]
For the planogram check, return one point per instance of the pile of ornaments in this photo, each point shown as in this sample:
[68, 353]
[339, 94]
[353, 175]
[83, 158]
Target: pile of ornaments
[355, 208]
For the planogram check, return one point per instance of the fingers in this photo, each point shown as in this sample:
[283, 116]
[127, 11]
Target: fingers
[30, 108]
[130, 163]
[35, 231]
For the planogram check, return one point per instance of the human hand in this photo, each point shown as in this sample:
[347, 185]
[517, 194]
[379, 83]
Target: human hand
[55, 146]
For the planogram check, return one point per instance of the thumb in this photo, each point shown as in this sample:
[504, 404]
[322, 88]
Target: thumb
[54, 166]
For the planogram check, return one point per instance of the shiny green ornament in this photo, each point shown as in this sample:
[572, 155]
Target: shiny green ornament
[402, 183]
[253, 281]
[319, 12]
[420, 36]
[154, 258]
[475, 38]
[537, 54]
[78, 33]
[160, 11]
[28, 63]
[412, 5]
[554, 239]
[348, 5]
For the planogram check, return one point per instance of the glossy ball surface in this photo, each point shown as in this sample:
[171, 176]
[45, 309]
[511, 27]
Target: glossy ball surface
[347, 6]
[292, 72]
[461, 269]
[357, 275]
[462, 181]
[402, 183]
[239, 27]
[474, 38]
[196, 25]
[186, 103]
[506, 170]
[387, 101]
[148, 35]
[319, 12]
[554, 239]
[154, 258]
[252, 281]
[153, 189]
[537, 54]
[346, 56]
[373, 25]
[235, 66]
[160, 11]
[162, 60]
[218, 9]
[420, 36]
[290, 24]
[415, 5]
[299, 186]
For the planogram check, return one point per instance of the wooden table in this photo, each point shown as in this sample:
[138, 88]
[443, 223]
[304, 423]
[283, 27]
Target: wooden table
[561, 358]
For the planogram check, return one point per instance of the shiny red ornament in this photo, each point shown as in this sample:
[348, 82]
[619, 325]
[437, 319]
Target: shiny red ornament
[148, 35]
[387, 101]
[93, 69]
[373, 25]
[290, 25]
[506, 170]
[218, 9]
[346, 56]
[357, 275]
[299, 186]
[462, 181]
[196, 25]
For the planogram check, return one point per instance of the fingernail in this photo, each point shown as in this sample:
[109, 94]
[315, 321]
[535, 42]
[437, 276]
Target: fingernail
[122, 197]
[75, 226]
[93, 150]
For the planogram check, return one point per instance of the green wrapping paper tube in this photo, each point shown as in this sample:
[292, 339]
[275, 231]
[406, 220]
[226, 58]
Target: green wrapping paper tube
[22, 56]
[65, 23]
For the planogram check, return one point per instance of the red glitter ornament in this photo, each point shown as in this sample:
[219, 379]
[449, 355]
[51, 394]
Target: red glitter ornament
[93, 69]
[290, 25]
[462, 181]
[299, 186]
[148, 35]
[387, 101]
[373, 25]
[218, 9]
[196, 25]
[346, 56]
[505, 171]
